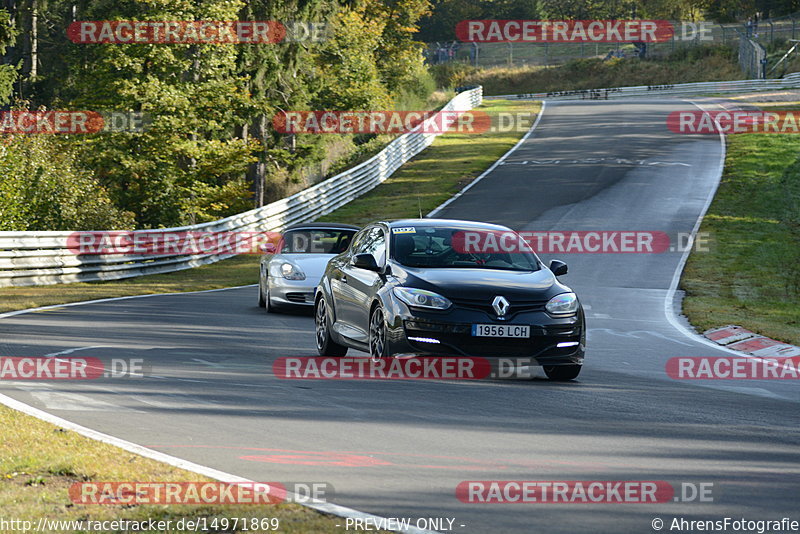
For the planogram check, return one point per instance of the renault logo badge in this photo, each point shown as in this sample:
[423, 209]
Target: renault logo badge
[500, 305]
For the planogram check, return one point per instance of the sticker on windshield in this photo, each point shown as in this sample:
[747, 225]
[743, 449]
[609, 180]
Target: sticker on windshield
[406, 230]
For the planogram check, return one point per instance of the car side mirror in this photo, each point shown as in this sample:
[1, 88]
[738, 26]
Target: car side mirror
[558, 267]
[366, 261]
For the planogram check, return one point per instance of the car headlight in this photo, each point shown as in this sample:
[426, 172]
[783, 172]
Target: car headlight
[419, 298]
[290, 271]
[563, 304]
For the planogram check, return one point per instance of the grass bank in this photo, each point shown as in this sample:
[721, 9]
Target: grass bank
[751, 275]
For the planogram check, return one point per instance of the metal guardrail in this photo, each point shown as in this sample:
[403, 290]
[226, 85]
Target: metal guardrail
[791, 81]
[41, 258]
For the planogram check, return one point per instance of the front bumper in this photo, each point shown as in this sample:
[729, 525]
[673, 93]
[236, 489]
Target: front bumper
[552, 341]
[285, 292]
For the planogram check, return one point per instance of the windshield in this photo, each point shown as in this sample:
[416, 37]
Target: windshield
[434, 247]
[316, 241]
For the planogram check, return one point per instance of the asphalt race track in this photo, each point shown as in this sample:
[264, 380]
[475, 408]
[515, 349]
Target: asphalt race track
[400, 448]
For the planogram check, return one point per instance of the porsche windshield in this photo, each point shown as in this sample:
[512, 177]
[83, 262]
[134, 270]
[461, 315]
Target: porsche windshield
[316, 241]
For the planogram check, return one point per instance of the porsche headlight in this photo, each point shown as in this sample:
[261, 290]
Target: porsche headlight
[290, 271]
[419, 298]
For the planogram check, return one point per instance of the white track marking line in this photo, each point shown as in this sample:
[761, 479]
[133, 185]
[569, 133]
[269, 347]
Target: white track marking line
[185, 398]
[490, 169]
[746, 390]
[669, 308]
[59, 400]
[70, 351]
[205, 362]
[179, 402]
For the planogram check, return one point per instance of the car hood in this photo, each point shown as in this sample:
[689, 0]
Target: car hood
[483, 283]
[311, 264]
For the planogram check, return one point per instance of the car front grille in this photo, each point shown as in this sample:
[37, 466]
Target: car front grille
[485, 305]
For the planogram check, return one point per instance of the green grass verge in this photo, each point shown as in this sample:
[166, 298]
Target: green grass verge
[750, 275]
[39, 462]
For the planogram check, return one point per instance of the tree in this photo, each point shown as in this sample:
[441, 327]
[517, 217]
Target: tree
[399, 57]
[350, 78]
[43, 187]
[279, 78]
[209, 150]
[8, 73]
[191, 91]
[440, 25]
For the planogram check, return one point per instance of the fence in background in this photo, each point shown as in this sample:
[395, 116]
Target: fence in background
[40, 258]
[752, 58]
[541, 54]
[769, 30]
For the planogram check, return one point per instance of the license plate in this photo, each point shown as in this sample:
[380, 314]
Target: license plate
[501, 330]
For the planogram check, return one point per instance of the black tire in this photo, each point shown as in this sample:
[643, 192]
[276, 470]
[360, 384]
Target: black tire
[270, 307]
[377, 335]
[326, 346]
[562, 373]
[262, 302]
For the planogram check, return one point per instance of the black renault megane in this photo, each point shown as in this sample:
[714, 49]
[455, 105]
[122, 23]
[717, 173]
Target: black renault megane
[435, 287]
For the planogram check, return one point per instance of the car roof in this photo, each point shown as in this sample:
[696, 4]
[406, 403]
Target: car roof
[322, 226]
[443, 223]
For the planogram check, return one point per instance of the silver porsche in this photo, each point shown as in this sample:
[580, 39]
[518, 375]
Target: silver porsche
[289, 277]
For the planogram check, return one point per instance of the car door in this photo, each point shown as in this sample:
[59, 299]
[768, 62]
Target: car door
[340, 291]
[358, 286]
